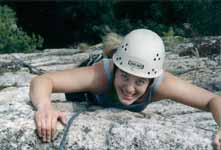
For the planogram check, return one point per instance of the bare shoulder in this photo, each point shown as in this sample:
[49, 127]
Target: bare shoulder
[90, 78]
[101, 78]
[181, 91]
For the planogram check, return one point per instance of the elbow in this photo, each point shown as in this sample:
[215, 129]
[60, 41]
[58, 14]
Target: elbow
[33, 84]
[33, 80]
[37, 79]
[213, 102]
[38, 82]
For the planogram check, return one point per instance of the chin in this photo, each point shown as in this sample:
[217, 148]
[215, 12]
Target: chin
[126, 102]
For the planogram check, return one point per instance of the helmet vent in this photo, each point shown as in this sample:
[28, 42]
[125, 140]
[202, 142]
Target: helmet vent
[148, 73]
[118, 58]
[126, 46]
[154, 71]
[156, 57]
[121, 63]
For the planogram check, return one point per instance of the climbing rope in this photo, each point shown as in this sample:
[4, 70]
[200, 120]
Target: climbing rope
[70, 121]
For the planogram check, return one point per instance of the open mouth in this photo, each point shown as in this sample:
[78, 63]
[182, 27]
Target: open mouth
[126, 96]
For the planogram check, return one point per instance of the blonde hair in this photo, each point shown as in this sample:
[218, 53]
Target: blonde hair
[83, 47]
[112, 40]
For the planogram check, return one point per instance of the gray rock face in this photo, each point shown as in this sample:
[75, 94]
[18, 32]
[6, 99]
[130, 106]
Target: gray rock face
[201, 71]
[204, 45]
[163, 125]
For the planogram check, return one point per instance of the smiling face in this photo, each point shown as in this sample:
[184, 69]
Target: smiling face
[129, 88]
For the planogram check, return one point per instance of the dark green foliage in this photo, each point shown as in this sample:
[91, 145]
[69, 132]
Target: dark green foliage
[100, 17]
[64, 24]
[96, 18]
[12, 38]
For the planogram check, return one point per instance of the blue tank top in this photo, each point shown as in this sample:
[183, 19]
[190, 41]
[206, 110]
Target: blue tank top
[106, 99]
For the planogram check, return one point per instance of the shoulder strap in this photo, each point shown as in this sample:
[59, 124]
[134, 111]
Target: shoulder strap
[107, 70]
[154, 88]
[157, 84]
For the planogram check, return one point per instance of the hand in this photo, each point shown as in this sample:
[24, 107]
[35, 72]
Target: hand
[46, 122]
[217, 140]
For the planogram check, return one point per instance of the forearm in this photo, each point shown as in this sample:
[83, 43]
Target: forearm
[215, 108]
[40, 91]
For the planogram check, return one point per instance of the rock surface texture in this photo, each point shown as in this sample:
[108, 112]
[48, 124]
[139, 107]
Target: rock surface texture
[163, 125]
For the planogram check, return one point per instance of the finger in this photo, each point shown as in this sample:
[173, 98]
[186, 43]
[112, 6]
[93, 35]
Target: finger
[214, 146]
[217, 143]
[48, 129]
[218, 137]
[53, 126]
[62, 118]
[38, 124]
[43, 129]
[218, 147]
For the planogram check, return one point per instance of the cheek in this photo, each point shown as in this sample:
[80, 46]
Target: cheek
[142, 90]
[117, 82]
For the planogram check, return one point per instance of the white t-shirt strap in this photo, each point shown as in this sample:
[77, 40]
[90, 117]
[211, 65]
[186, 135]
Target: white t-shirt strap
[157, 84]
[107, 70]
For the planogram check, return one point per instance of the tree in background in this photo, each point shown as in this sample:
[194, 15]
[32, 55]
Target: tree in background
[64, 24]
[13, 38]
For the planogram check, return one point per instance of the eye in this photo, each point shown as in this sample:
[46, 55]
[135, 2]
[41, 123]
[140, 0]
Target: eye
[124, 76]
[140, 82]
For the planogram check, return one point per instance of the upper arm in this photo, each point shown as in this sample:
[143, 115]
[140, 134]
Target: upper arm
[90, 78]
[181, 91]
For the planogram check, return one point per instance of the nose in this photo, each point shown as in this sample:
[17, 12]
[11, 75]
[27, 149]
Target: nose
[130, 89]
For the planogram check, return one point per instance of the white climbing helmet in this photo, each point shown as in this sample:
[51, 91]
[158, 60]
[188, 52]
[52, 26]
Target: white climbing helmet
[141, 53]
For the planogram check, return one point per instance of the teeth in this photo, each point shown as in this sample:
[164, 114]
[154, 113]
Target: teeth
[128, 95]
[124, 94]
